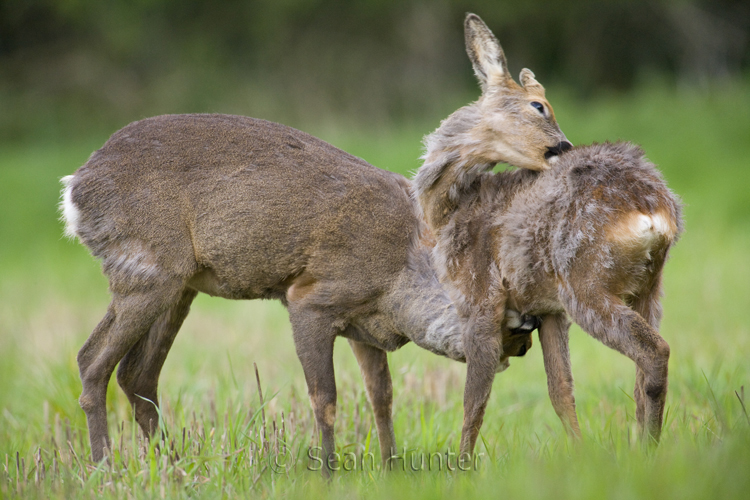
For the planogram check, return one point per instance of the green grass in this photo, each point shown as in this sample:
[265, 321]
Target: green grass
[52, 294]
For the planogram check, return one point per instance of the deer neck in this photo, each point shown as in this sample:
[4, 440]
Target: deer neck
[453, 165]
[461, 200]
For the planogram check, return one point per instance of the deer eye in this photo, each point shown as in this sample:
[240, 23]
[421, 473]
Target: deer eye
[538, 106]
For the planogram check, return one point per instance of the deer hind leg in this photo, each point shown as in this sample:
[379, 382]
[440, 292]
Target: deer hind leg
[138, 372]
[373, 364]
[128, 318]
[313, 340]
[639, 396]
[553, 337]
[647, 305]
[608, 319]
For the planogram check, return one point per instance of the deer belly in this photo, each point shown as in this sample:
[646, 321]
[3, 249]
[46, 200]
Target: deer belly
[376, 330]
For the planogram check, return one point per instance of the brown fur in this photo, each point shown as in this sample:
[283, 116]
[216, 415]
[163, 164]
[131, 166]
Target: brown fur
[242, 209]
[585, 235]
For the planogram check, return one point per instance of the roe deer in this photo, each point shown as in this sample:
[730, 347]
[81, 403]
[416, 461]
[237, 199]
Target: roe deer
[584, 232]
[244, 208]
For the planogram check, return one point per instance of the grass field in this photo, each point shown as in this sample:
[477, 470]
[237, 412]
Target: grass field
[222, 443]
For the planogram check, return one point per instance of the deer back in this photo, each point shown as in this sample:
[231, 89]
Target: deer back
[240, 206]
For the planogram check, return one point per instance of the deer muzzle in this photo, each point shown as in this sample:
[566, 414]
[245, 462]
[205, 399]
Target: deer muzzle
[561, 147]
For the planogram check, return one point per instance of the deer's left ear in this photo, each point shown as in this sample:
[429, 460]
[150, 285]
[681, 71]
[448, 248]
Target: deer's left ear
[484, 50]
[529, 82]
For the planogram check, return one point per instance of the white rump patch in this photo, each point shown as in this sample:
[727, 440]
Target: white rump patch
[69, 212]
[642, 226]
[647, 226]
[643, 230]
[661, 225]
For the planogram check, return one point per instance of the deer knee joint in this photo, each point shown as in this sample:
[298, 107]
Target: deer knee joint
[656, 391]
[329, 413]
[324, 407]
[662, 349]
[87, 403]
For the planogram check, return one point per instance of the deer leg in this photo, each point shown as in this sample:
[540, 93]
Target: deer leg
[640, 399]
[647, 305]
[373, 363]
[128, 318]
[93, 399]
[626, 331]
[553, 336]
[651, 355]
[313, 340]
[138, 372]
[483, 349]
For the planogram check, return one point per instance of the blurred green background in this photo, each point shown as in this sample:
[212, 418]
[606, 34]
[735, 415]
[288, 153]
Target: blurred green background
[69, 67]
[373, 77]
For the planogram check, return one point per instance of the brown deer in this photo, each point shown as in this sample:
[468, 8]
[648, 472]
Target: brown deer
[242, 208]
[583, 233]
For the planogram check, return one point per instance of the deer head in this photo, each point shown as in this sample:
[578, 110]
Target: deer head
[515, 123]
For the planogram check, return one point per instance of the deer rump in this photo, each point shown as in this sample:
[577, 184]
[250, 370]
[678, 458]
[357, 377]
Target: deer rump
[593, 229]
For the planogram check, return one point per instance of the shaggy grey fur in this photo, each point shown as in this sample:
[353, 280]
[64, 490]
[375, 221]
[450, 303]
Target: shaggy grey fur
[588, 237]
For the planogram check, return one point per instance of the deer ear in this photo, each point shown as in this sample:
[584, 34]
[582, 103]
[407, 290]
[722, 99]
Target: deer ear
[529, 82]
[485, 52]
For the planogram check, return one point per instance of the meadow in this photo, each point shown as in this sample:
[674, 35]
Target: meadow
[224, 440]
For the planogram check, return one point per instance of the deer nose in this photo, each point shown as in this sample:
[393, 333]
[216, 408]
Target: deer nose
[557, 150]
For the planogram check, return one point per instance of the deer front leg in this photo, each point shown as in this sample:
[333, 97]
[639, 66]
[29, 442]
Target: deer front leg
[483, 349]
[553, 336]
[373, 363]
[313, 340]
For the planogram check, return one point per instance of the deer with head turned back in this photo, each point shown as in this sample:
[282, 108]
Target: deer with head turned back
[580, 231]
[242, 208]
